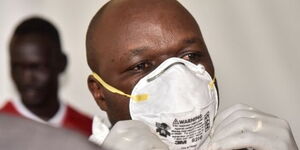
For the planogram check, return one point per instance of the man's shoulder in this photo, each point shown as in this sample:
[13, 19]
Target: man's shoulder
[76, 120]
[9, 107]
[73, 113]
[7, 104]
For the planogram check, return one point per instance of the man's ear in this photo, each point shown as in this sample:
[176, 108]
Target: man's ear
[97, 91]
[63, 62]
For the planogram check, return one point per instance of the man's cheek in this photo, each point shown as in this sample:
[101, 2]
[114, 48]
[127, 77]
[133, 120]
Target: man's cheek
[44, 79]
[128, 84]
[120, 105]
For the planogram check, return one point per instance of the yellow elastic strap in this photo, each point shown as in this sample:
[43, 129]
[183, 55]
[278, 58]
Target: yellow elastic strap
[212, 83]
[140, 97]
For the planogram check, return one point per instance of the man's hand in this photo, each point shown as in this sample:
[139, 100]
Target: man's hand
[133, 135]
[242, 126]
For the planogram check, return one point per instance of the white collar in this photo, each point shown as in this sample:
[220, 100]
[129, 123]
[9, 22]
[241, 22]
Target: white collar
[56, 120]
[99, 131]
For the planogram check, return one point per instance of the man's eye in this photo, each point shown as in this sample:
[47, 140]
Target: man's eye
[143, 66]
[42, 67]
[16, 67]
[194, 57]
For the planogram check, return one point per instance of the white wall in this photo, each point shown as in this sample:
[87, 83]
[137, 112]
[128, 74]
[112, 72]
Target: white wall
[253, 43]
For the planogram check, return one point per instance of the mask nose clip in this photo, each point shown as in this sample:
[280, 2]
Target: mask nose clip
[164, 70]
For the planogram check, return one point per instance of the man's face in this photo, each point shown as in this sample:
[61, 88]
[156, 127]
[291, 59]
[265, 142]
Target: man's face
[32, 67]
[130, 48]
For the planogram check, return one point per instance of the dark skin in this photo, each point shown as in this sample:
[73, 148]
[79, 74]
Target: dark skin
[130, 39]
[35, 66]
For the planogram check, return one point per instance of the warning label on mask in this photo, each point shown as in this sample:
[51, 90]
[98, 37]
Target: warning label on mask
[186, 133]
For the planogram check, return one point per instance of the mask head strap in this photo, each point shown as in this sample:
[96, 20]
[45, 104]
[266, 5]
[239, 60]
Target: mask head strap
[212, 83]
[139, 97]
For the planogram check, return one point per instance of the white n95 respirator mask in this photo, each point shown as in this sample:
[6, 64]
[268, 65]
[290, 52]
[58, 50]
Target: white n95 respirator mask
[178, 101]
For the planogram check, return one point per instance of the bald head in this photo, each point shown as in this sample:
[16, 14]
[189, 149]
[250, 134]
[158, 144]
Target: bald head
[118, 17]
[127, 39]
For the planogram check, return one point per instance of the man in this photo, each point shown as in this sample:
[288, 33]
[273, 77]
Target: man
[37, 60]
[127, 39]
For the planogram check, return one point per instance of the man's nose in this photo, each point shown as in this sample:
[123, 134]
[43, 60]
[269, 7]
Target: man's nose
[162, 58]
[28, 75]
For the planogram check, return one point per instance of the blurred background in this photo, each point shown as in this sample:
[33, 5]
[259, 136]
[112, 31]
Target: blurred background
[254, 44]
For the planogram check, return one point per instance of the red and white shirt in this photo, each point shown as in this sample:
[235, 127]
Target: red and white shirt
[66, 116]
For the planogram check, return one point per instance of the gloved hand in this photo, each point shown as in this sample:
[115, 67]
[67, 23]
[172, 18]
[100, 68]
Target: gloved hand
[242, 126]
[133, 135]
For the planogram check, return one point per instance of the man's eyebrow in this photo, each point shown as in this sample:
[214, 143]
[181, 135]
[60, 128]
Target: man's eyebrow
[140, 50]
[191, 40]
[137, 51]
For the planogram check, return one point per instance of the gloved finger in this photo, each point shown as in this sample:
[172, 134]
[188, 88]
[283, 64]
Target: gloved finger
[258, 133]
[224, 114]
[134, 135]
[240, 125]
[243, 113]
[255, 125]
[253, 140]
[243, 141]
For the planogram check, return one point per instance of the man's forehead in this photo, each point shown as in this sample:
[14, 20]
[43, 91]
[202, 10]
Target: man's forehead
[33, 44]
[127, 24]
[133, 6]
[118, 26]
[128, 10]
[36, 39]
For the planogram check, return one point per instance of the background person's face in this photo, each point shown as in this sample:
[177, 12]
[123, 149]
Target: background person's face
[131, 48]
[32, 68]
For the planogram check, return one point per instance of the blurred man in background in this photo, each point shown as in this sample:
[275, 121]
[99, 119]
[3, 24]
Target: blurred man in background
[37, 60]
